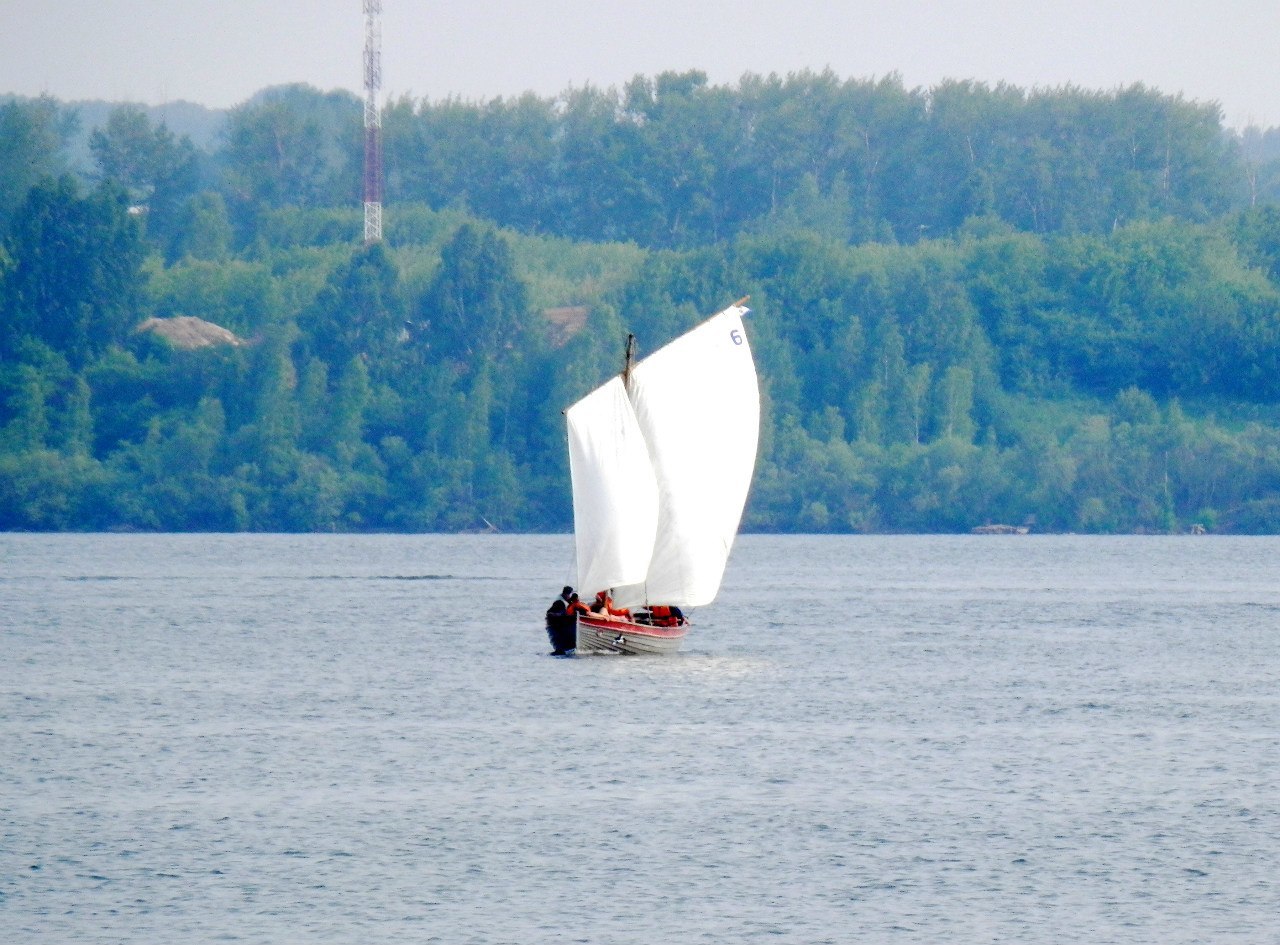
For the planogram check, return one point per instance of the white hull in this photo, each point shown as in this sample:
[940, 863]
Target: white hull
[622, 636]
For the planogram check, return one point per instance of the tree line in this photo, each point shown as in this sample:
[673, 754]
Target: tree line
[673, 161]
[972, 305]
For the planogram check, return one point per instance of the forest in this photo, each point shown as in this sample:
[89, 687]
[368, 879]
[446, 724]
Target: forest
[971, 304]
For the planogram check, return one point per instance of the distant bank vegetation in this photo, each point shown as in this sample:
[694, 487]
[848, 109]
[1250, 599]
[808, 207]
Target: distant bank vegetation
[974, 305]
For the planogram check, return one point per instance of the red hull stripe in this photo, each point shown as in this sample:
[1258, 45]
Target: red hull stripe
[631, 629]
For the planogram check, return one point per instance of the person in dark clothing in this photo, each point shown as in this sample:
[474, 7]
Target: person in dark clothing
[562, 622]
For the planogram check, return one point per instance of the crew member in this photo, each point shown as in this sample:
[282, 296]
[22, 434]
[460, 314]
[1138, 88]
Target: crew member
[663, 616]
[604, 605]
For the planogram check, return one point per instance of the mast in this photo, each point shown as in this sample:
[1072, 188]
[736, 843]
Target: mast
[628, 358]
[372, 122]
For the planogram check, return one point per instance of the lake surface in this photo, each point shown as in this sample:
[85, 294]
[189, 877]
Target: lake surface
[337, 739]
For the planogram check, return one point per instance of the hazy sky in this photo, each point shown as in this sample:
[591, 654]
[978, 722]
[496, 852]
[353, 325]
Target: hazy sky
[220, 53]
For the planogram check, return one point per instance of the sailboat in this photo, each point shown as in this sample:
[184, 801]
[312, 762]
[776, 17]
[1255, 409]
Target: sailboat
[661, 458]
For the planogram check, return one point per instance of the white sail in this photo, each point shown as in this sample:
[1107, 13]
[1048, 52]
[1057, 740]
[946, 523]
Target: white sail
[615, 498]
[698, 404]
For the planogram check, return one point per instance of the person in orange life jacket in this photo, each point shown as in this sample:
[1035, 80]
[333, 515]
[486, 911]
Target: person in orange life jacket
[665, 616]
[576, 606]
[604, 605]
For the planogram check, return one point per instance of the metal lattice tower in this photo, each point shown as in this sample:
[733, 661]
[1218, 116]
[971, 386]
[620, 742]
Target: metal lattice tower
[372, 122]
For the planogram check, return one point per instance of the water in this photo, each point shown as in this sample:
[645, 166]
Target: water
[363, 739]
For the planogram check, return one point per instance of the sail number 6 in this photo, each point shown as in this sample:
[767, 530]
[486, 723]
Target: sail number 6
[736, 336]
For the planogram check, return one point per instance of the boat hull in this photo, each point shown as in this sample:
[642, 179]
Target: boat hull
[601, 635]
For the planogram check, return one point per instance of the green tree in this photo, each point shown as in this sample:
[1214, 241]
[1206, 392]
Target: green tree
[291, 146]
[476, 306]
[359, 312]
[204, 229]
[350, 403]
[955, 404]
[33, 136]
[1257, 231]
[74, 282]
[157, 170]
[28, 408]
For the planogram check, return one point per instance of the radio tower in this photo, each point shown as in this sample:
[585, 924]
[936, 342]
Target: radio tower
[372, 122]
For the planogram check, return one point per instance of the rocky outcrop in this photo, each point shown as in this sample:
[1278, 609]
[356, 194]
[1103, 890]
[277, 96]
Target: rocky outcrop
[188, 333]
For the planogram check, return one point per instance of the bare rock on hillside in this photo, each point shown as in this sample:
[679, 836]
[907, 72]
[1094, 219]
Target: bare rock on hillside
[188, 332]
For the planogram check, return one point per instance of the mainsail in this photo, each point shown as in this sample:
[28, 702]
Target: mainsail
[694, 405]
[615, 494]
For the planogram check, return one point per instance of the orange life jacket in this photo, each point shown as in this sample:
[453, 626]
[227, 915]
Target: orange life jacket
[604, 604]
[663, 617]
